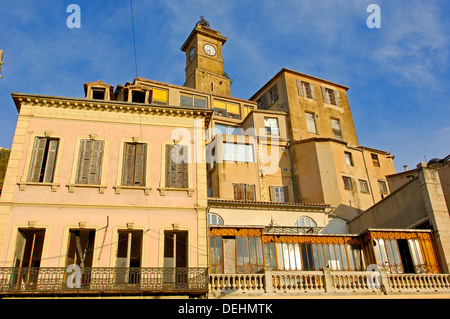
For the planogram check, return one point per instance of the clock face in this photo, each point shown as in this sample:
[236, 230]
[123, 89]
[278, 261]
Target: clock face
[192, 53]
[209, 49]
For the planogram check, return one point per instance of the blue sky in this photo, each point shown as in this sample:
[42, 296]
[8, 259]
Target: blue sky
[398, 74]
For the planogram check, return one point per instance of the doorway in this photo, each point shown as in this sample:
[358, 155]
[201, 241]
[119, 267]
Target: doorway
[175, 258]
[405, 256]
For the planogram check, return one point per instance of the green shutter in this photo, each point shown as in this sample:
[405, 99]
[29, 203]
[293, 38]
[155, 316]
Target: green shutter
[128, 164]
[37, 159]
[51, 159]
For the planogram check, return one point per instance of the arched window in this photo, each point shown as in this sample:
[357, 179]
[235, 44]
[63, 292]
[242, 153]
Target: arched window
[305, 222]
[214, 219]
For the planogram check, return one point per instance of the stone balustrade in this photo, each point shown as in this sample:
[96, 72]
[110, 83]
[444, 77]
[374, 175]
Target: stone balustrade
[325, 282]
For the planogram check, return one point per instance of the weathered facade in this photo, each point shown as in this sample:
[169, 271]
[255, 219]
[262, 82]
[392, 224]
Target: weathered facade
[155, 188]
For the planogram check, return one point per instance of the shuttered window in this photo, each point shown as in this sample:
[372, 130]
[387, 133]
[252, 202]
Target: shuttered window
[90, 161]
[263, 102]
[244, 191]
[134, 163]
[43, 160]
[279, 194]
[330, 96]
[336, 128]
[311, 122]
[306, 89]
[176, 166]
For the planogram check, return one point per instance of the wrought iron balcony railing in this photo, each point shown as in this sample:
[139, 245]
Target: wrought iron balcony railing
[96, 280]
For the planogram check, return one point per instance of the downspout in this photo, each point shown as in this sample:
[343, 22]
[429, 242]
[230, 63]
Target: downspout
[367, 173]
[289, 128]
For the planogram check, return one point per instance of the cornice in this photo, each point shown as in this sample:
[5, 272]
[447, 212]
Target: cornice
[109, 106]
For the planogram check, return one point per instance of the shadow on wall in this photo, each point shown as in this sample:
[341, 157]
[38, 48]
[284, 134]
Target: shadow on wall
[340, 217]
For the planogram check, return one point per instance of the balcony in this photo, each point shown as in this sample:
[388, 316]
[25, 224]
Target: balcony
[103, 281]
[325, 282]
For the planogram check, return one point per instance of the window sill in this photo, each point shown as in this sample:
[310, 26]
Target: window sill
[146, 190]
[101, 188]
[54, 186]
[162, 190]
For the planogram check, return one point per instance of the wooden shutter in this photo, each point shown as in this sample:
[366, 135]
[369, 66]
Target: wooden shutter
[84, 158]
[176, 166]
[300, 87]
[238, 190]
[51, 159]
[140, 162]
[274, 95]
[90, 162]
[37, 159]
[336, 97]
[313, 92]
[95, 170]
[324, 94]
[249, 192]
[170, 167]
[263, 102]
[273, 197]
[128, 164]
[286, 194]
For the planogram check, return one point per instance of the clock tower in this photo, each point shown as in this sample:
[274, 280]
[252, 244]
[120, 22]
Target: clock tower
[204, 62]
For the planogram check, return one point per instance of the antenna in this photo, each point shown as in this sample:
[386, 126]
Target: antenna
[1, 62]
[134, 39]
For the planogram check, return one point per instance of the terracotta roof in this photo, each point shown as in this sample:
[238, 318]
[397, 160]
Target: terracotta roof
[233, 201]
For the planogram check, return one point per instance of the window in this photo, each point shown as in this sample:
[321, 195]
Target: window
[305, 222]
[238, 152]
[383, 187]
[227, 109]
[90, 160]
[247, 110]
[306, 89]
[273, 95]
[311, 256]
[159, 96]
[347, 183]
[311, 126]
[271, 126]
[43, 160]
[138, 96]
[134, 163]
[193, 100]
[81, 246]
[348, 158]
[176, 166]
[227, 129]
[98, 93]
[336, 128]
[28, 254]
[175, 252]
[268, 98]
[279, 194]
[249, 254]
[263, 102]
[214, 219]
[216, 254]
[129, 252]
[244, 192]
[375, 160]
[363, 186]
[330, 96]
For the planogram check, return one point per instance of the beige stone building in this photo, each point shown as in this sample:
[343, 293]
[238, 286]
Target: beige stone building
[151, 188]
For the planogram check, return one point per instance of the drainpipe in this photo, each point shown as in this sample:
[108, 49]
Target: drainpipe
[288, 127]
[367, 173]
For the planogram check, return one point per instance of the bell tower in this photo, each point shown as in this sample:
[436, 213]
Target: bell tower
[204, 61]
